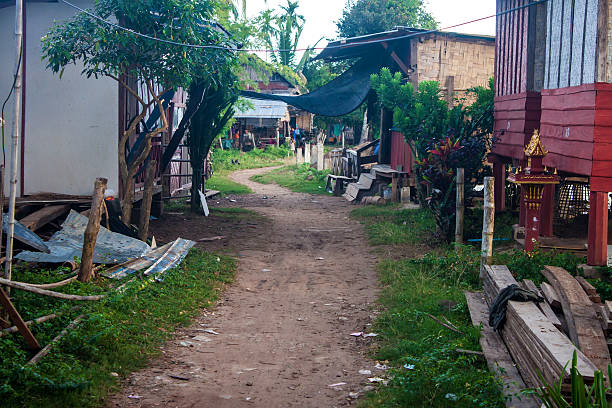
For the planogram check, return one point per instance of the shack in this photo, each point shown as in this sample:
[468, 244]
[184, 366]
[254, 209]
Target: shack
[553, 74]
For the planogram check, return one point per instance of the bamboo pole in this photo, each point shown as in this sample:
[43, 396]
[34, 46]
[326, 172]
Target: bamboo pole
[57, 338]
[42, 319]
[488, 221]
[147, 200]
[460, 206]
[15, 139]
[44, 292]
[91, 231]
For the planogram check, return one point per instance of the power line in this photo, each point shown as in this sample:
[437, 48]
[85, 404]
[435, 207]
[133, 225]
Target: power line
[220, 47]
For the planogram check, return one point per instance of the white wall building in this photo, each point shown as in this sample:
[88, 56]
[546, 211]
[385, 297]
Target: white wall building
[71, 124]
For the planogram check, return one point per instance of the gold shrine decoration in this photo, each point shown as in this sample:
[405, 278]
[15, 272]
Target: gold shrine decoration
[535, 147]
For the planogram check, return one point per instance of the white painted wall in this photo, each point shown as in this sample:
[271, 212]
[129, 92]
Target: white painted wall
[71, 123]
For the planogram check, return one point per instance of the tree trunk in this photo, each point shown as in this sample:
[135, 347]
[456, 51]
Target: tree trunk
[147, 199]
[364, 128]
[196, 185]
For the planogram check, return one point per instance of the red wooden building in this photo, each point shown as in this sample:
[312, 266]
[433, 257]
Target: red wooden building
[552, 73]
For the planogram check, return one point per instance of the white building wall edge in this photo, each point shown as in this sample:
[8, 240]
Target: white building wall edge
[71, 123]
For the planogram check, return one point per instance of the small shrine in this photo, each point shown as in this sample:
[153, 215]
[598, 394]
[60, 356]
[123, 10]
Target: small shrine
[533, 179]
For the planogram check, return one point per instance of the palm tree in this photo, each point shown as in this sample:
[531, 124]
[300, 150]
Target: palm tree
[282, 32]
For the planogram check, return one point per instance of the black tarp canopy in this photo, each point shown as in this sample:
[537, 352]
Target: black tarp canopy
[338, 97]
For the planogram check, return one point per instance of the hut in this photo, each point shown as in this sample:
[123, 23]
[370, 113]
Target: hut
[553, 74]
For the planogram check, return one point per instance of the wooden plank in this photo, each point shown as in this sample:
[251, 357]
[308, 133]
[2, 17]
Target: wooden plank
[45, 215]
[550, 295]
[16, 318]
[543, 306]
[583, 325]
[496, 353]
[586, 286]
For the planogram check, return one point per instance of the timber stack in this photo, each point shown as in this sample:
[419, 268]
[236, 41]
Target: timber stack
[541, 338]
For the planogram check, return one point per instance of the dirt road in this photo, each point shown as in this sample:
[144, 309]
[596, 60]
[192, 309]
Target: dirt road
[306, 281]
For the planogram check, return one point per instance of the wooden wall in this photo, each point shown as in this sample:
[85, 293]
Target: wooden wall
[571, 43]
[520, 51]
[401, 155]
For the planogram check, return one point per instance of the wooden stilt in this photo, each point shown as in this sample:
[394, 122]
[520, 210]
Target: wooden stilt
[499, 172]
[598, 229]
[18, 321]
[547, 211]
[394, 189]
[91, 231]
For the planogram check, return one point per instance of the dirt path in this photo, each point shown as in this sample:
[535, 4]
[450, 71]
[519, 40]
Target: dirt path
[306, 280]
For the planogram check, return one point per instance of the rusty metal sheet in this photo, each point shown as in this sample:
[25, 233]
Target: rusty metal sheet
[170, 259]
[134, 265]
[66, 244]
[25, 235]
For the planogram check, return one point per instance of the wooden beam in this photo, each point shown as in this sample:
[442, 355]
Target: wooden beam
[45, 215]
[550, 295]
[583, 325]
[405, 69]
[91, 231]
[543, 306]
[16, 318]
[497, 355]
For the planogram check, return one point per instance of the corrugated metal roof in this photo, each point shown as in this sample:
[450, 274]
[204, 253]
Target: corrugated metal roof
[264, 109]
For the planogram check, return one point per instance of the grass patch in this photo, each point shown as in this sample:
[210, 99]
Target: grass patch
[119, 335]
[221, 182]
[228, 161]
[386, 225]
[298, 178]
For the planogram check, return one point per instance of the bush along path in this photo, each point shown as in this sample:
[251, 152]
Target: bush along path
[281, 335]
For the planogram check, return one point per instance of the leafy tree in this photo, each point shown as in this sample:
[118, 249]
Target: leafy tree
[361, 17]
[213, 113]
[281, 33]
[441, 138]
[106, 51]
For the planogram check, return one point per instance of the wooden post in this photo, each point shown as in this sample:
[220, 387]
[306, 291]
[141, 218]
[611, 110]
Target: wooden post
[597, 253]
[394, 189]
[488, 221]
[460, 206]
[320, 156]
[147, 200]
[92, 229]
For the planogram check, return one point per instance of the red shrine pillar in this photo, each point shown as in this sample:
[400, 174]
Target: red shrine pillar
[532, 199]
[598, 229]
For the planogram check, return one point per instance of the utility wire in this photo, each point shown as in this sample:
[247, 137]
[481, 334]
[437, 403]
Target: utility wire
[220, 47]
[2, 121]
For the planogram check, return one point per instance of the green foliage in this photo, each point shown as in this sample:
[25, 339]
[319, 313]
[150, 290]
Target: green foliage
[361, 17]
[426, 369]
[582, 396]
[442, 139]
[119, 334]
[528, 265]
[282, 31]
[299, 178]
[388, 225]
[215, 109]
[106, 51]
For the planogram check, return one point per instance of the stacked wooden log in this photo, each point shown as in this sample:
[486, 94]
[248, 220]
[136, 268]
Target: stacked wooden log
[534, 340]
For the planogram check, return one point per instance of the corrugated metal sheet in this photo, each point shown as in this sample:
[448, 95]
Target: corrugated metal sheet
[67, 243]
[264, 110]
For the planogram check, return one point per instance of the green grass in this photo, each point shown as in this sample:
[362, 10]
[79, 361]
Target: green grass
[119, 334]
[298, 178]
[437, 375]
[386, 225]
[257, 158]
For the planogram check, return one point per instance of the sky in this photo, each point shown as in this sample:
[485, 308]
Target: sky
[321, 16]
